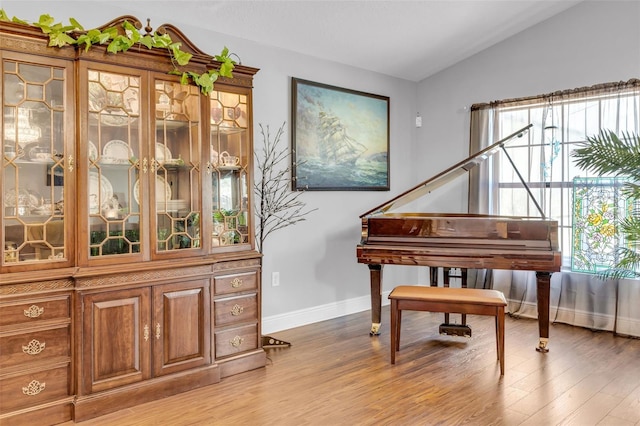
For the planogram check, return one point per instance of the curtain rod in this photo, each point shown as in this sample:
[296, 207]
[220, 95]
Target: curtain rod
[596, 89]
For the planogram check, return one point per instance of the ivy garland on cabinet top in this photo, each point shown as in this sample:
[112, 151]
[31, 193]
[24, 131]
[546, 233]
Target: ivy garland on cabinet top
[74, 34]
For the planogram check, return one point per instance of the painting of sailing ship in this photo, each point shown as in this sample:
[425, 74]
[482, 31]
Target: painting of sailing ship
[340, 138]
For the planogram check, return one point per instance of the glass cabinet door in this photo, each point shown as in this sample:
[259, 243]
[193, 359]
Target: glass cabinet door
[113, 149]
[36, 163]
[230, 158]
[176, 188]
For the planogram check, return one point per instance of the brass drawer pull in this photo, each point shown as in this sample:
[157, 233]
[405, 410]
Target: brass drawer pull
[33, 311]
[146, 332]
[34, 347]
[237, 310]
[236, 282]
[70, 163]
[236, 341]
[33, 388]
[158, 331]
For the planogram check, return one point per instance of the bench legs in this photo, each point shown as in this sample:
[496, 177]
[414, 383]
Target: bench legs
[396, 322]
[500, 337]
[396, 319]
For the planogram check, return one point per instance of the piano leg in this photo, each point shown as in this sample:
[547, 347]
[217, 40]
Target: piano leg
[543, 287]
[375, 272]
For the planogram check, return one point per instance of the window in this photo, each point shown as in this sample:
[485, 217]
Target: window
[560, 121]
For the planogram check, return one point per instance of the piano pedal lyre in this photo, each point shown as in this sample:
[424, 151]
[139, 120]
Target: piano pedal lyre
[450, 329]
[461, 330]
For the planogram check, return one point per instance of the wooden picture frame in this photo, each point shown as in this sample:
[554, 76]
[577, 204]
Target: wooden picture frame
[340, 138]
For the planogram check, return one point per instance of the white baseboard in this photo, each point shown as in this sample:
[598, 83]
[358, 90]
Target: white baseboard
[599, 321]
[593, 321]
[275, 323]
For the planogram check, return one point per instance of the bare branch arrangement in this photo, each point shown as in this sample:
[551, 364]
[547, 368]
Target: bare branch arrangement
[279, 206]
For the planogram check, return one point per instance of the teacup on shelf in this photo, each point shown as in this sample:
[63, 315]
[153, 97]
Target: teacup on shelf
[47, 208]
[110, 213]
[41, 154]
[228, 160]
[11, 152]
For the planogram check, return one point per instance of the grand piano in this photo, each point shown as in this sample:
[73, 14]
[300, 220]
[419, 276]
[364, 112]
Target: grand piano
[457, 240]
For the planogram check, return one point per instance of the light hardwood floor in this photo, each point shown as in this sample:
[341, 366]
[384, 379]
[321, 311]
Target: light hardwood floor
[336, 374]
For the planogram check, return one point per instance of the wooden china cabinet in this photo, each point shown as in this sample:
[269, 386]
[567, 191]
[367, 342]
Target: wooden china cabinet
[128, 268]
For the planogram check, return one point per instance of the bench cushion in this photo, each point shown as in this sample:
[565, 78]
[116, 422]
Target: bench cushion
[447, 294]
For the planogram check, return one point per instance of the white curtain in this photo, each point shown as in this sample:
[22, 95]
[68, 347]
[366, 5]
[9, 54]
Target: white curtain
[577, 299]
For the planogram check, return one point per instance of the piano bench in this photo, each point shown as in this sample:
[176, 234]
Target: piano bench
[445, 299]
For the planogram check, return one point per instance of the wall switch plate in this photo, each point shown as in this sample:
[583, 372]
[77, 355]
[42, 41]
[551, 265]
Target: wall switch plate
[275, 279]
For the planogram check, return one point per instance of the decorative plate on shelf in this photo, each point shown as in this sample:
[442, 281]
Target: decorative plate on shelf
[163, 155]
[163, 190]
[100, 191]
[106, 100]
[116, 152]
[93, 151]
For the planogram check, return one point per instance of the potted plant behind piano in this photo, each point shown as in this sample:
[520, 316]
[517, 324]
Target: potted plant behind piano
[279, 207]
[608, 154]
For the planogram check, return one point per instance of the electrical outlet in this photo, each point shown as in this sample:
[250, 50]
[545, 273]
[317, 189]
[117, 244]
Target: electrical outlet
[275, 279]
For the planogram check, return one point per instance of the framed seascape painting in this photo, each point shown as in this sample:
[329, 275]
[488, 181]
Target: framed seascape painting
[340, 138]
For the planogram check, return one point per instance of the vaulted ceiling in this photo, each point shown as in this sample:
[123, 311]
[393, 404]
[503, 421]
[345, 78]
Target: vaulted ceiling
[406, 39]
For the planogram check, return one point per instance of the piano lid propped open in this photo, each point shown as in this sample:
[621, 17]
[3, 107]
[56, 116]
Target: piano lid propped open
[444, 177]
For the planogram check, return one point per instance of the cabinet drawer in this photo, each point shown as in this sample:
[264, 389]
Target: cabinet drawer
[19, 349]
[236, 310]
[235, 283]
[236, 340]
[34, 388]
[34, 311]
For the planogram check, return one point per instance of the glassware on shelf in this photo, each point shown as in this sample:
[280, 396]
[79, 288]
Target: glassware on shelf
[19, 126]
[230, 152]
[10, 251]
